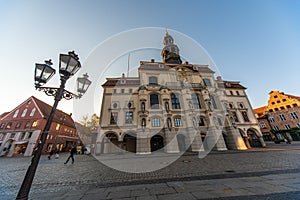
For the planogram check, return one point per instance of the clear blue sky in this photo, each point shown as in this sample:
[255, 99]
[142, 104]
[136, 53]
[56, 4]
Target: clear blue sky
[255, 42]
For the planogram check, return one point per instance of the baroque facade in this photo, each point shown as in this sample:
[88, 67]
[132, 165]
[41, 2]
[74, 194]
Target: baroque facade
[21, 128]
[280, 119]
[173, 107]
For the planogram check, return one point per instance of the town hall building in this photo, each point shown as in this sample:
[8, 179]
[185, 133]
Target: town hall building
[174, 107]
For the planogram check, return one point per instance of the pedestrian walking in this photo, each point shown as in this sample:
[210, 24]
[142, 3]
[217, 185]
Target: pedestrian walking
[56, 153]
[50, 154]
[72, 152]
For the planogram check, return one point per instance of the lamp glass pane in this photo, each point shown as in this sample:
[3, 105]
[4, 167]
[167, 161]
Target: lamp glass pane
[64, 60]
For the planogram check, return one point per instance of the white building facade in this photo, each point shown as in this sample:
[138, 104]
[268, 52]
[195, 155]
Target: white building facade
[171, 107]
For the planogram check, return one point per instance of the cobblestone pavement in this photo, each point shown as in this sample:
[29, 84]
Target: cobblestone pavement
[267, 173]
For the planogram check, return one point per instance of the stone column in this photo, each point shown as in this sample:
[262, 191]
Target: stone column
[171, 142]
[195, 140]
[235, 141]
[215, 140]
[143, 145]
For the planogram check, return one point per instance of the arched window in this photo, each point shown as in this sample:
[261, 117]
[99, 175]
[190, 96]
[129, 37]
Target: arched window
[196, 101]
[32, 112]
[154, 103]
[169, 123]
[175, 101]
[143, 106]
[24, 113]
[167, 106]
[16, 113]
[143, 122]
[152, 80]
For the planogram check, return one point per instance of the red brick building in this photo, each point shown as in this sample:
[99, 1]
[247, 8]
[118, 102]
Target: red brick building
[21, 128]
[281, 117]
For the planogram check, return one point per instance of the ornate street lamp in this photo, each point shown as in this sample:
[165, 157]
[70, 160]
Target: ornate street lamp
[68, 66]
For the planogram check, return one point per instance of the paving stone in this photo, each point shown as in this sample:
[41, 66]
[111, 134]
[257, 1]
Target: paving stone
[118, 194]
[177, 196]
[147, 198]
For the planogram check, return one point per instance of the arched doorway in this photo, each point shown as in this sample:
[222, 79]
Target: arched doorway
[111, 143]
[181, 142]
[6, 147]
[253, 138]
[157, 142]
[245, 138]
[129, 143]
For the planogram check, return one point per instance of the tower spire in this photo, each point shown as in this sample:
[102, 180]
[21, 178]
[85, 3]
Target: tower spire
[170, 52]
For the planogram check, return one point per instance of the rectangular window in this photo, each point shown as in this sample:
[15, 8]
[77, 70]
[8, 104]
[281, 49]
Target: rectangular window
[34, 124]
[235, 117]
[237, 93]
[298, 125]
[12, 136]
[294, 115]
[27, 125]
[271, 119]
[130, 91]
[201, 121]
[152, 80]
[114, 118]
[122, 90]
[196, 101]
[262, 125]
[1, 136]
[115, 91]
[22, 136]
[2, 125]
[18, 125]
[178, 121]
[8, 125]
[245, 116]
[282, 117]
[207, 82]
[276, 128]
[155, 122]
[57, 127]
[287, 126]
[128, 117]
[213, 101]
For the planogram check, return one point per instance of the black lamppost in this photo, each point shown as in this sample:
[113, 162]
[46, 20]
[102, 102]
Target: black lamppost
[69, 64]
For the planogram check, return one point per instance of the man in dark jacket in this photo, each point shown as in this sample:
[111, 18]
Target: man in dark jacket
[72, 152]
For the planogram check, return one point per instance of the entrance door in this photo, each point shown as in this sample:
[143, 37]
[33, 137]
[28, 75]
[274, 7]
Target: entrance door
[157, 142]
